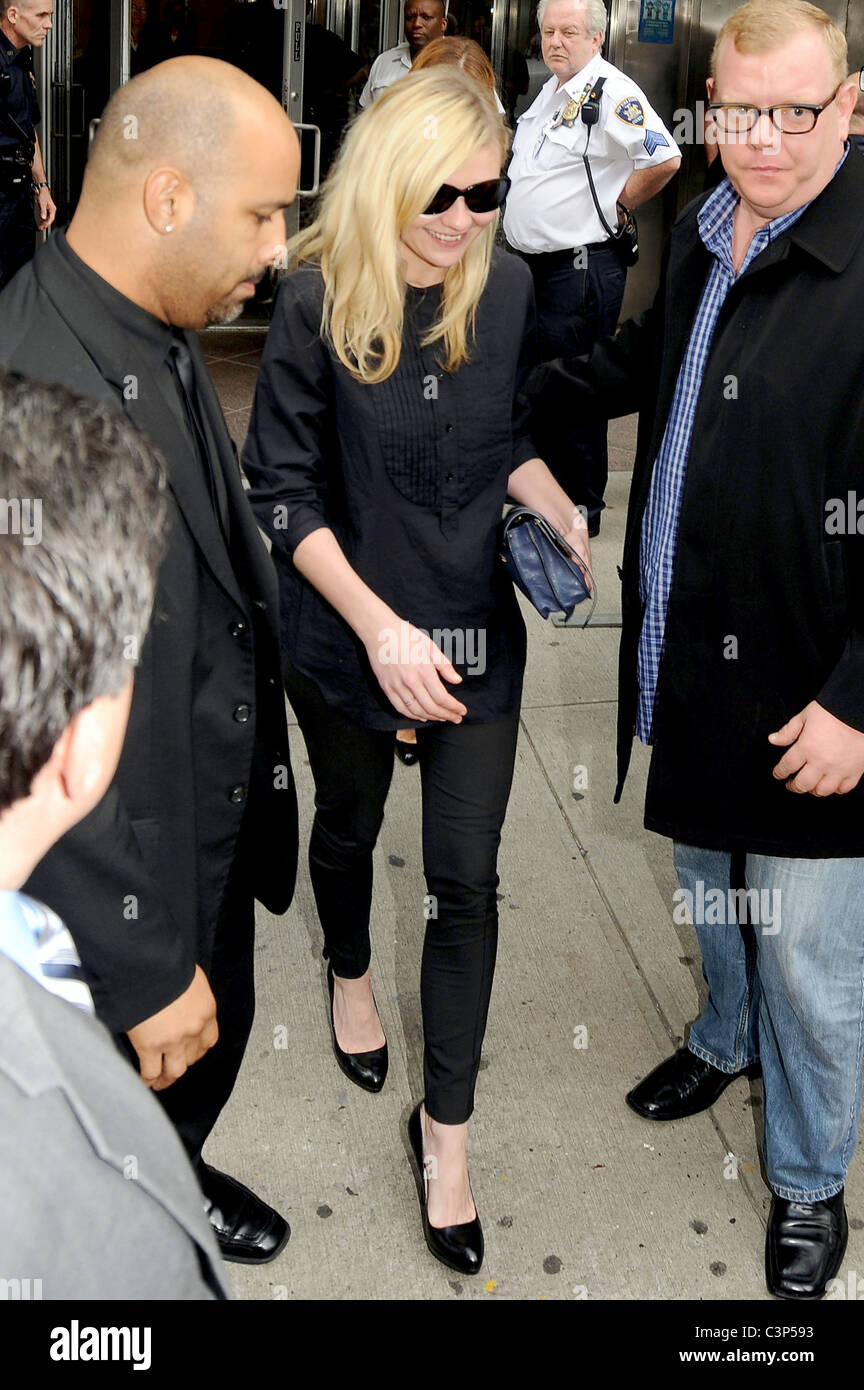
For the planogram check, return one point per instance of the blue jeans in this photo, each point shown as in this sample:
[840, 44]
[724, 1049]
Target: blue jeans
[786, 989]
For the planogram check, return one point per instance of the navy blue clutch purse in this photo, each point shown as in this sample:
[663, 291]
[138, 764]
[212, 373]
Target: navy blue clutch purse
[542, 566]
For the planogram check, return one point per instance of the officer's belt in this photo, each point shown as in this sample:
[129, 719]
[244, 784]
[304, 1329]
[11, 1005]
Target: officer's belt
[553, 258]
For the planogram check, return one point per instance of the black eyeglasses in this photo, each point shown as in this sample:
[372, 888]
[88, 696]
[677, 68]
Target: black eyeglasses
[789, 119]
[479, 197]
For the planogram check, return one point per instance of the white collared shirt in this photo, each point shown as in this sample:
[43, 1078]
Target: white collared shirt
[387, 69]
[549, 207]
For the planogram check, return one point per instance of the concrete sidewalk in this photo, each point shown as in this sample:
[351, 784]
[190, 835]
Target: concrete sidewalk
[595, 984]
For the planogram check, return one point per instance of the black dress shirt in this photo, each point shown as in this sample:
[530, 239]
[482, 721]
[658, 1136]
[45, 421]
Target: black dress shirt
[411, 475]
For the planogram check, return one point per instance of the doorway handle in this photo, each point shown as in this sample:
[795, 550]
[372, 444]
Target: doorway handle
[316, 178]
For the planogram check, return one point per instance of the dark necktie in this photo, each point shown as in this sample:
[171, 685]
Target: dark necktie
[184, 375]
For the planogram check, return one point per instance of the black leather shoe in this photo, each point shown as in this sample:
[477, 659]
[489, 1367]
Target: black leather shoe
[804, 1246]
[406, 752]
[366, 1069]
[459, 1247]
[682, 1085]
[247, 1230]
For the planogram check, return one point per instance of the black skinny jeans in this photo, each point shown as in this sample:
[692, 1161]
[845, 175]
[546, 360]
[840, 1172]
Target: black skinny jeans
[466, 771]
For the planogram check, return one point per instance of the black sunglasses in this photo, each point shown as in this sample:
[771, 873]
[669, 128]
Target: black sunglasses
[479, 197]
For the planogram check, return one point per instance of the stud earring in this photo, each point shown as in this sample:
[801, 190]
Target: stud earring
[169, 228]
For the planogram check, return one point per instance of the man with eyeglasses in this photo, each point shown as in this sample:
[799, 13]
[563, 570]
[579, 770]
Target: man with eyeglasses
[742, 655]
[563, 213]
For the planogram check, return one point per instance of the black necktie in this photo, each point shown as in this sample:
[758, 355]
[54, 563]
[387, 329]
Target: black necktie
[184, 375]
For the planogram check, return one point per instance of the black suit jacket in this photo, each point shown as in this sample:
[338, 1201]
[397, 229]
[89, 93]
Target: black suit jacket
[140, 881]
[778, 437]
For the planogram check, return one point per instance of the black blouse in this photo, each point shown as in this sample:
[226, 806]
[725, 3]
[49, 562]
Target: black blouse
[411, 476]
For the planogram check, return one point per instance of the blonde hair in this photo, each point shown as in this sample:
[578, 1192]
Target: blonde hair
[763, 25]
[457, 52]
[394, 158]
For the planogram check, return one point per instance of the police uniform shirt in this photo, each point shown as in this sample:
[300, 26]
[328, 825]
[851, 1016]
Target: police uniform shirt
[18, 99]
[549, 206]
[387, 69]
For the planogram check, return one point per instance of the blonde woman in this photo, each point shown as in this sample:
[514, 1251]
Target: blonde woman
[386, 435]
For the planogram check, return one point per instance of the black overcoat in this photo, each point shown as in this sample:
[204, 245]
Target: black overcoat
[766, 611]
[140, 880]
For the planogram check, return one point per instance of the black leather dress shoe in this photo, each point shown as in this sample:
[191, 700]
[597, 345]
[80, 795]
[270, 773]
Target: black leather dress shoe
[366, 1069]
[247, 1230]
[459, 1247]
[682, 1085]
[804, 1246]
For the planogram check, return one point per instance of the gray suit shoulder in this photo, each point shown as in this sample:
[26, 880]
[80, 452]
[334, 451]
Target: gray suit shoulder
[97, 1197]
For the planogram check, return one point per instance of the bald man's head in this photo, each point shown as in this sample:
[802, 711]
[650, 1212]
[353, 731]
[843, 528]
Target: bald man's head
[191, 167]
[185, 112]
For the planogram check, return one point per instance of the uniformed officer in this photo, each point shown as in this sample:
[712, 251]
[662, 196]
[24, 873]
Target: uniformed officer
[25, 198]
[551, 217]
[425, 20]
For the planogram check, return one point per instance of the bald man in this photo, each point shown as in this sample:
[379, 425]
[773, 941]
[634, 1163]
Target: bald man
[180, 215]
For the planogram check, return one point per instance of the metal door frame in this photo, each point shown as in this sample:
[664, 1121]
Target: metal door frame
[294, 56]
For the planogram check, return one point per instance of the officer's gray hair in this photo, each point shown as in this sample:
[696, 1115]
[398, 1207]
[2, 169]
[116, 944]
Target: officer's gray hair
[596, 17]
[82, 522]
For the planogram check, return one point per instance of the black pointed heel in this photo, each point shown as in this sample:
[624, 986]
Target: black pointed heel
[459, 1247]
[368, 1070]
[407, 752]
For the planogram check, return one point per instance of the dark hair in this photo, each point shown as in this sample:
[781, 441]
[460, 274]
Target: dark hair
[82, 524]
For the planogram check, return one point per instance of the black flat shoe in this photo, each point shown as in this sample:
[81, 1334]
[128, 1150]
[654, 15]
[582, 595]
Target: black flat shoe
[406, 752]
[366, 1069]
[248, 1232]
[683, 1085]
[804, 1246]
[459, 1247]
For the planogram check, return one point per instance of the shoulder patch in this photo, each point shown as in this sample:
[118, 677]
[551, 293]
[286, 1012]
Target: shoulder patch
[630, 111]
[654, 141]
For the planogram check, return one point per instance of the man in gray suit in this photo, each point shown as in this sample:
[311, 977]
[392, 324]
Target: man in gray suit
[97, 1196]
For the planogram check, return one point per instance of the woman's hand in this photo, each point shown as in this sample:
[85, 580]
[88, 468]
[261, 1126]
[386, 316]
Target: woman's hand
[409, 668]
[576, 539]
[533, 485]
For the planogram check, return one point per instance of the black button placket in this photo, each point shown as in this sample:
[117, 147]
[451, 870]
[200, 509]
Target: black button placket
[446, 436]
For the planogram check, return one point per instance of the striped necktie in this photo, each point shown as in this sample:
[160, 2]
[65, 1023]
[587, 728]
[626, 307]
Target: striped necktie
[59, 962]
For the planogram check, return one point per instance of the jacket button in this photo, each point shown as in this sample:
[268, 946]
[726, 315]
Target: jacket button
[242, 713]
[237, 629]
[448, 477]
[449, 429]
[237, 794]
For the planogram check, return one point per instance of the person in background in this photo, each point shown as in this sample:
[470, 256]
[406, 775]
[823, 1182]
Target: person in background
[97, 1198]
[552, 221]
[425, 20]
[381, 450]
[461, 53]
[143, 36]
[25, 198]
[158, 885]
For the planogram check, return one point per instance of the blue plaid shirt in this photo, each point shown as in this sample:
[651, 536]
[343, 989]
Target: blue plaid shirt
[660, 522]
